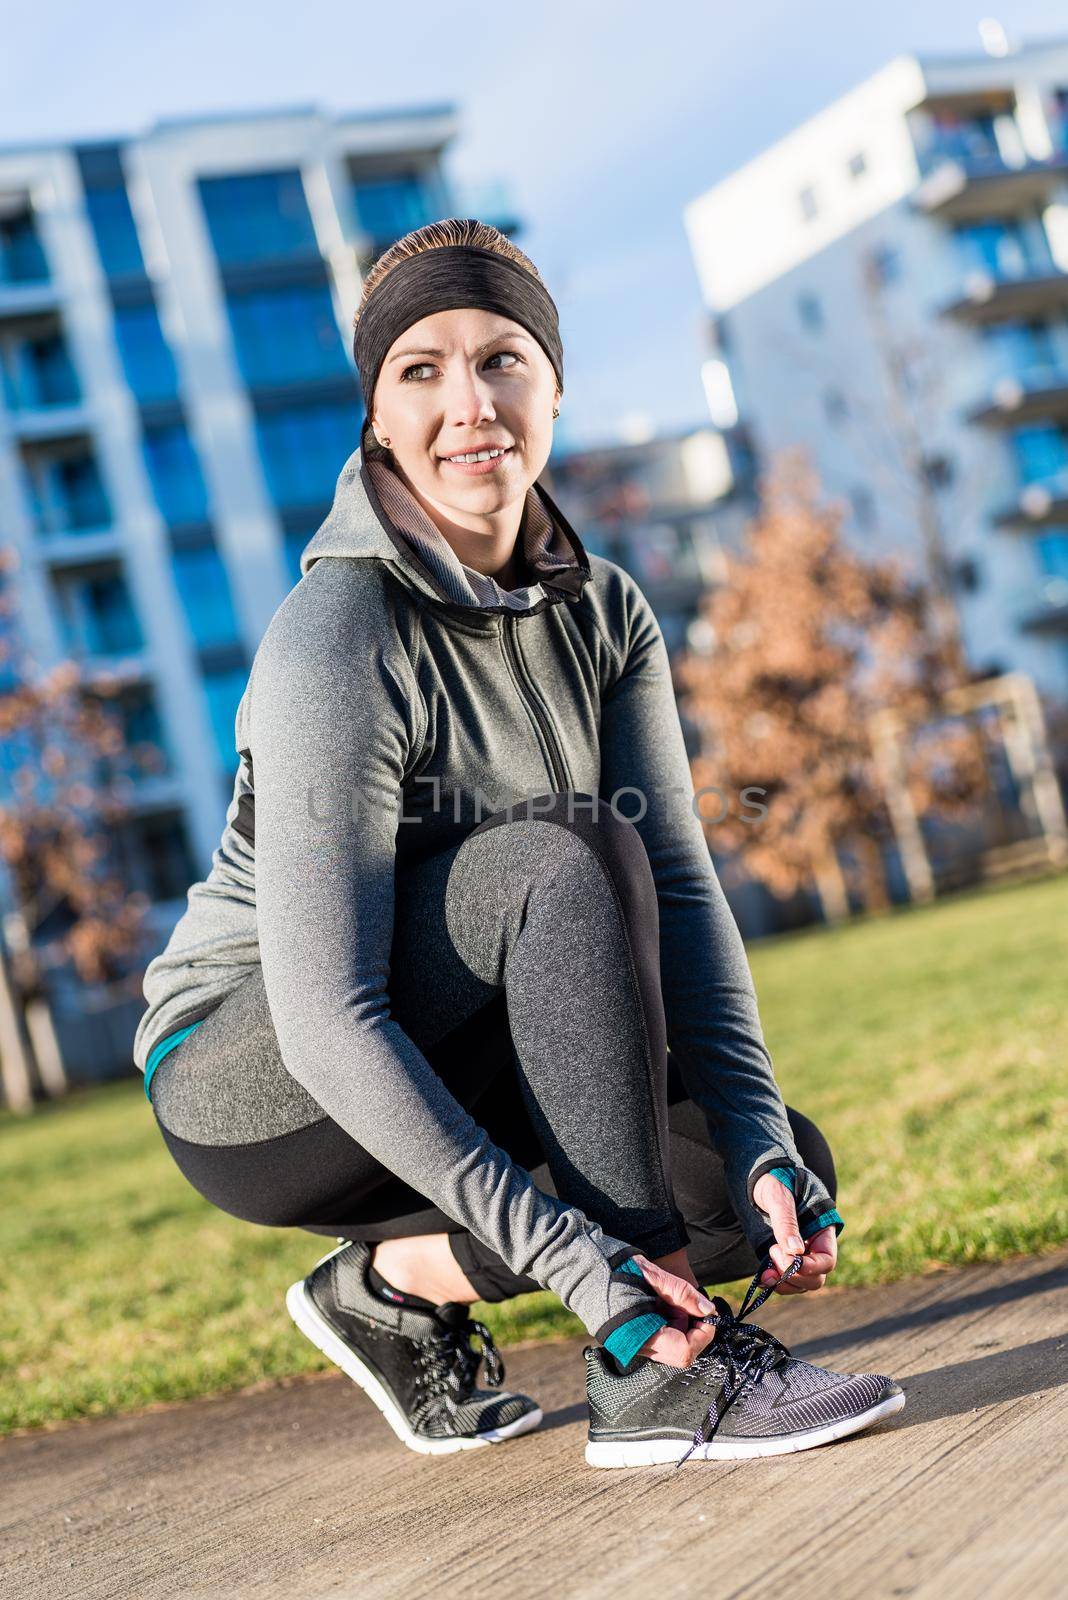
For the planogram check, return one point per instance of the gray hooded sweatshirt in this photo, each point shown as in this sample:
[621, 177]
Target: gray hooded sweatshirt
[382, 717]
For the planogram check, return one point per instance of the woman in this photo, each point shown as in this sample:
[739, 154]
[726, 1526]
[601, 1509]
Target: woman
[424, 1000]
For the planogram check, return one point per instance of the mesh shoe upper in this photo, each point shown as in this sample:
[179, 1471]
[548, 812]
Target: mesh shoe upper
[746, 1382]
[424, 1358]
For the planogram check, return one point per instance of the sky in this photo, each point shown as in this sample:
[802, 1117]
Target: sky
[603, 118]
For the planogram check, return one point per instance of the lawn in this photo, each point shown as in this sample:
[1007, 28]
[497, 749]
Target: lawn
[929, 1044]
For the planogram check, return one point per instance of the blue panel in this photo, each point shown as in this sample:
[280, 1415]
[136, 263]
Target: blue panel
[303, 448]
[258, 216]
[116, 235]
[205, 591]
[174, 469]
[389, 207]
[146, 356]
[287, 335]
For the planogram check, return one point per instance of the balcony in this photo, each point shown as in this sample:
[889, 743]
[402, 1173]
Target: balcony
[969, 187]
[985, 297]
[1040, 504]
[1043, 608]
[1028, 395]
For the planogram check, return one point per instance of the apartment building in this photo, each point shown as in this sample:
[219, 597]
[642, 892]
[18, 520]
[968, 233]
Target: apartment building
[178, 394]
[888, 288]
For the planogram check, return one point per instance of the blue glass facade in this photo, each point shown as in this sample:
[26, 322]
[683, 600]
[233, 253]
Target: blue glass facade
[1041, 450]
[204, 589]
[177, 481]
[258, 216]
[303, 448]
[146, 357]
[287, 335]
[387, 207]
[115, 231]
[1052, 549]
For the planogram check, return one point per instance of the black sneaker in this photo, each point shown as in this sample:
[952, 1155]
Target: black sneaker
[416, 1365]
[761, 1400]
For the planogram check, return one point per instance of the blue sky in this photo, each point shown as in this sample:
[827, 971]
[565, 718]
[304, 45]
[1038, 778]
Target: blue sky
[603, 119]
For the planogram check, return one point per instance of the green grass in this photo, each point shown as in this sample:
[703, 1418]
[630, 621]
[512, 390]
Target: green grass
[929, 1044]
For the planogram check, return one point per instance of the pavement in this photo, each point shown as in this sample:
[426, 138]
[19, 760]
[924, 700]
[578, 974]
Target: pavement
[301, 1490]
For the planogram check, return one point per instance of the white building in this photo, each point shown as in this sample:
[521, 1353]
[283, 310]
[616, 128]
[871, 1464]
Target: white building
[888, 288]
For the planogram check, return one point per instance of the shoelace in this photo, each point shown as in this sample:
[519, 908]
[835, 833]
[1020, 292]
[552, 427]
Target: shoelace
[450, 1351]
[748, 1350]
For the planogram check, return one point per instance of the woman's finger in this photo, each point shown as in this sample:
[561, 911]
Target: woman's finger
[676, 1291]
[676, 1348]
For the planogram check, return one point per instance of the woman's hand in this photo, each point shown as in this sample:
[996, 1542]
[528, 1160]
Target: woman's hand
[681, 1302]
[819, 1254]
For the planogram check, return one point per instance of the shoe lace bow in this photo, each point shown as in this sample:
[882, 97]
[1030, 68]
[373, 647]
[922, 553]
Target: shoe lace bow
[748, 1350]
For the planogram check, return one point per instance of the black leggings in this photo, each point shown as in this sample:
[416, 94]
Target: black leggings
[563, 1063]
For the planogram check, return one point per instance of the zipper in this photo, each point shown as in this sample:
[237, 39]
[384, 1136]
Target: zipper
[554, 755]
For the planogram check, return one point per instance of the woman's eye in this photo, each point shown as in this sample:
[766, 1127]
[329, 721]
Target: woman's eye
[419, 365]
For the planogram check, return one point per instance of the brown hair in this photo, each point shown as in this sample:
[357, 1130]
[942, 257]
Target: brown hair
[453, 230]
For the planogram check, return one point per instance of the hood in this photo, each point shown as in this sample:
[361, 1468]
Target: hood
[358, 527]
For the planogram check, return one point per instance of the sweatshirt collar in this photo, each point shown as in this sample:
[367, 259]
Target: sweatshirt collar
[374, 515]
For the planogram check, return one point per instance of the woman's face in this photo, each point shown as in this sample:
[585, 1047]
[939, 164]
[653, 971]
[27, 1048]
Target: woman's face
[460, 381]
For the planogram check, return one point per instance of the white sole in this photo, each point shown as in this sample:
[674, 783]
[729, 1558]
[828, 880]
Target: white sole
[306, 1315]
[657, 1452]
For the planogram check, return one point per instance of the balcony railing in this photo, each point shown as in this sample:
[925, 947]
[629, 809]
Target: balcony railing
[986, 186]
[1029, 391]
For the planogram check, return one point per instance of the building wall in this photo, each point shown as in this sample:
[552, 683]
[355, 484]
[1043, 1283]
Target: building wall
[829, 264]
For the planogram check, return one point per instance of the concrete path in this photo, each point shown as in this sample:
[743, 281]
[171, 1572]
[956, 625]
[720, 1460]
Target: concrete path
[301, 1490]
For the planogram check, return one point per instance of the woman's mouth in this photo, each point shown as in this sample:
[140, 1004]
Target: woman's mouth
[476, 464]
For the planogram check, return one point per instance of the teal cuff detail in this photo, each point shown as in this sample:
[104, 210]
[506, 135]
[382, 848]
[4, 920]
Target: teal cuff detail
[785, 1175]
[625, 1341]
[631, 1266]
[827, 1219]
[164, 1048]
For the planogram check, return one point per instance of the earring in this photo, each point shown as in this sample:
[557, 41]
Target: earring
[384, 443]
[556, 411]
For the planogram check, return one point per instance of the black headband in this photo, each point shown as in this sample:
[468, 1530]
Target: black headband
[440, 279]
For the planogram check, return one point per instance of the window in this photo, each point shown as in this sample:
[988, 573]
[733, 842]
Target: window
[810, 311]
[1001, 249]
[863, 507]
[116, 234]
[938, 470]
[96, 614]
[258, 216]
[1018, 349]
[303, 449]
[968, 574]
[858, 165]
[153, 855]
[391, 206]
[884, 264]
[39, 372]
[144, 751]
[808, 203]
[146, 356]
[835, 405]
[67, 493]
[177, 481]
[22, 257]
[286, 335]
[224, 691]
[204, 589]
